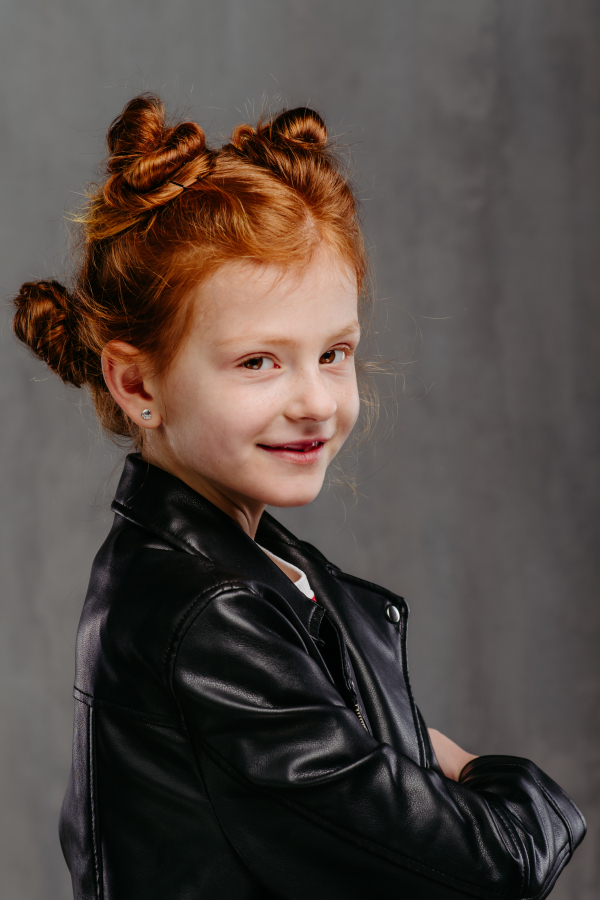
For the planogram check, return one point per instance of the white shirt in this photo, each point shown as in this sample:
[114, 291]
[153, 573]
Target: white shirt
[293, 572]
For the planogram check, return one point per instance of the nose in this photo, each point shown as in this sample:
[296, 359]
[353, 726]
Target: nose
[311, 398]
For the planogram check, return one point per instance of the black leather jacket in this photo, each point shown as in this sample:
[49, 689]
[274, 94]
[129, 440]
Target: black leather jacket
[236, 740]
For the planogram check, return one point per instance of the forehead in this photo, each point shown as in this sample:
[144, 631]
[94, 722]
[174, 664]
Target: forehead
[244, 295]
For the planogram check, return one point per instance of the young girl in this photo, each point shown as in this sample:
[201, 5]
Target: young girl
[244, 724]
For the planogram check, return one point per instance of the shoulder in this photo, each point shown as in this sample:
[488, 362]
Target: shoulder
[143, 593]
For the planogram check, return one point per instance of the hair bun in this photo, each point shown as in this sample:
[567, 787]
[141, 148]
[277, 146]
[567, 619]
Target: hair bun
[144, 152]
[300, 125]
[43, 321]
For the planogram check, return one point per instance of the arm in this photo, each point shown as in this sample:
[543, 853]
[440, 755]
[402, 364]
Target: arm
[316, 807]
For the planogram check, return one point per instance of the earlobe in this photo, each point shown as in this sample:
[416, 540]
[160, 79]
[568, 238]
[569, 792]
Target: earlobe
[128, 386]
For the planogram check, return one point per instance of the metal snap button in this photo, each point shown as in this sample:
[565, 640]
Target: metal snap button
[393, 614]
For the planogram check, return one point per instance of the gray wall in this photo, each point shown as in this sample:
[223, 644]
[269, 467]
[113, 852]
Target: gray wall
[475, 128]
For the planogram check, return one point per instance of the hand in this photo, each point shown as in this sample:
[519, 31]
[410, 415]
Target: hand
[451, 757]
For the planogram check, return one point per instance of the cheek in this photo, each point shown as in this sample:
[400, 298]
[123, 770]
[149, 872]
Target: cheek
[348, 406]
[222, 416]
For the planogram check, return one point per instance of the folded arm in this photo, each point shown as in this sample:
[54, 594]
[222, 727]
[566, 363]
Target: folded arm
[316, 807]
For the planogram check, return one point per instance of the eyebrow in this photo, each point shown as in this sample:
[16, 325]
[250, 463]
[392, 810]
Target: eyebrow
[281, 341]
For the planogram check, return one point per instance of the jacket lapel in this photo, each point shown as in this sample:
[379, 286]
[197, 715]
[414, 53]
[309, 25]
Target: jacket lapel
[163, 504]
[377, 646]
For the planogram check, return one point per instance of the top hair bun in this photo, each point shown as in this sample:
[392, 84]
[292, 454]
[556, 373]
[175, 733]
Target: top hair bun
[44, 321]
[301, 126]
[144, 152]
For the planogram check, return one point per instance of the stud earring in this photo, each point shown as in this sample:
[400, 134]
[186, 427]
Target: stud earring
[146, 414]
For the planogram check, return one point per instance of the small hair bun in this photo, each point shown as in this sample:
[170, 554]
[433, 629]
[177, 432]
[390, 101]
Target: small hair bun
[149, 165]
[43, 321]
[300, 125]
[144, 152]
[275, 143]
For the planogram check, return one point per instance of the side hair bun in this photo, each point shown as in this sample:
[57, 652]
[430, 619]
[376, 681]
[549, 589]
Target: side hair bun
[43, 321]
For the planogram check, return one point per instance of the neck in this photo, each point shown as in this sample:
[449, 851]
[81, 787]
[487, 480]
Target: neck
[244, 513]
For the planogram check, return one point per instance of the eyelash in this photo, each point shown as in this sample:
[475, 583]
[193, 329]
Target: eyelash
[245, 364]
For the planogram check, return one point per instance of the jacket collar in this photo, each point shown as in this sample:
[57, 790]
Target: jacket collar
[163, 504]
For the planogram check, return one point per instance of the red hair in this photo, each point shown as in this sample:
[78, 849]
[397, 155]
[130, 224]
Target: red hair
[170, 212]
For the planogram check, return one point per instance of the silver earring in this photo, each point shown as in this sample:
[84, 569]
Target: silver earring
[146, 414]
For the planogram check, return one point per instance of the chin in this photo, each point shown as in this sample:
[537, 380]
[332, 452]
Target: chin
[298, 496]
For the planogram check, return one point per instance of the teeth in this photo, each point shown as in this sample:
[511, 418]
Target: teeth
[301, 449]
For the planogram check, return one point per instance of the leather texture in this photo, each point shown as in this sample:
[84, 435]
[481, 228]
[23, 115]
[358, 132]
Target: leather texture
[234, 739]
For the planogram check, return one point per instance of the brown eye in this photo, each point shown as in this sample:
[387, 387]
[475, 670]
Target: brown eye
[259, 362]
[333, 356]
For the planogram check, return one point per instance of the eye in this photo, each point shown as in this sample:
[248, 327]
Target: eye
[333, 356]
[259, 362]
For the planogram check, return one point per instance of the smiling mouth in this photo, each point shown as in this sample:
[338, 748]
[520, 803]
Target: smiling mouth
[304, 451]
[301, 447]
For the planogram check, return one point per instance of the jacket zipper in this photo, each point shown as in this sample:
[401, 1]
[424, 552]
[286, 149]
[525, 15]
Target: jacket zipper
[355, 705]
[360, 715]
[351, 693]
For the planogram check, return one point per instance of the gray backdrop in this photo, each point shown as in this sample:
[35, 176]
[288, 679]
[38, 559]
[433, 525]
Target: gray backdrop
[475, 132]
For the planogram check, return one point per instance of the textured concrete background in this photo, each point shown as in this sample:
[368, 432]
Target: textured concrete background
[475, 128]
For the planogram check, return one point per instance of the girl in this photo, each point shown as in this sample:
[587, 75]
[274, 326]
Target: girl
[244, 724]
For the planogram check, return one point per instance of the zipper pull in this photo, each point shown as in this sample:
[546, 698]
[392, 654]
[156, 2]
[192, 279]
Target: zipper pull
[355, 705]
[360, 716]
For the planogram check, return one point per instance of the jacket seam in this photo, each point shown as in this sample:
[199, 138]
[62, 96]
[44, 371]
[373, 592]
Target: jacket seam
[558, 812]
[411, 699]
[177, 637]
[512, 831]
[93, 810]
[146, 718]
[573, 807]
[550, 879]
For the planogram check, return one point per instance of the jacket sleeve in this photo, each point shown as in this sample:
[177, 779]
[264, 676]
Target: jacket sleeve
[316, 807]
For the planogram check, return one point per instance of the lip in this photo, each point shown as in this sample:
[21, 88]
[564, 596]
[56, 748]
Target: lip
[301, 452]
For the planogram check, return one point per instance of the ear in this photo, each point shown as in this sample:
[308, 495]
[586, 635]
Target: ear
[123, 374]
